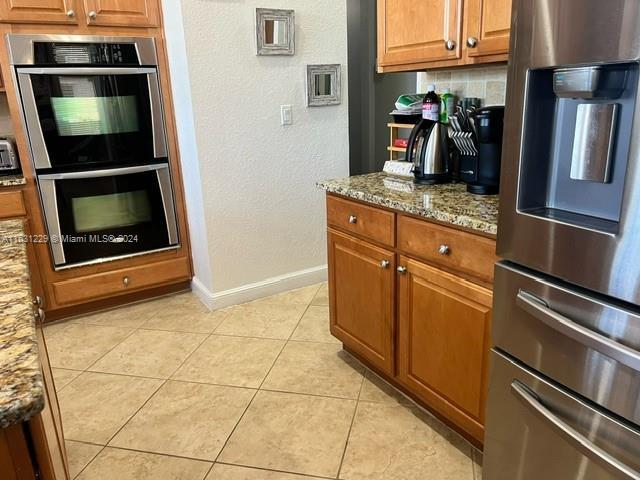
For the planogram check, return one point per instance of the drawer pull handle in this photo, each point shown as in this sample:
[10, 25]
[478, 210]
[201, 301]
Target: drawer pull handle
[574, 437]
[126, 281]
[385, 263]
[539, 309]
[402, 270]
[444, 250]
[353, 219]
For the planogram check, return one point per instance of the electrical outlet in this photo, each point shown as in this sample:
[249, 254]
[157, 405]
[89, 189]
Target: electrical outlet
[286, 115]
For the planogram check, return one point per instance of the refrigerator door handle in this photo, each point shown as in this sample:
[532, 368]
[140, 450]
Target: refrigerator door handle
[540, 310]
[575, 438]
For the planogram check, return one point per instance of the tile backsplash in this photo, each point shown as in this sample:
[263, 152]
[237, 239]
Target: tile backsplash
[486, 83]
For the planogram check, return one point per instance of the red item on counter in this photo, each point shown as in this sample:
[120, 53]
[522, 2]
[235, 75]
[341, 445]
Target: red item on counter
[401, 142]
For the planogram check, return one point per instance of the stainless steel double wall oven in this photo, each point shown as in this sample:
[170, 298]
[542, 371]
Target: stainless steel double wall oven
[93, 111]
[564, 395]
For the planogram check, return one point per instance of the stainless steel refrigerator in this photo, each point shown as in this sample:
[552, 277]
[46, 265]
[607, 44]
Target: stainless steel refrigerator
[564, 394]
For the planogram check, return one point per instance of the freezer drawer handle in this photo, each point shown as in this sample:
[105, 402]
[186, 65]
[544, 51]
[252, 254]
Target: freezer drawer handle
[575, 438]
[539, 309]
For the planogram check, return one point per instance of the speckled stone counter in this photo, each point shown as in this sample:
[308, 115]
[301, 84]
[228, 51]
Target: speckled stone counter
[449, 203]
[21, 386]
[12, 181]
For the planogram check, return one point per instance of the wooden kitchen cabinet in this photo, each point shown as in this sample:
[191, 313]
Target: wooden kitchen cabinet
[443, 341]
[441, 33]
[362, 283]
[127, 13]
[39, 11]
[412, 299]
[487, 27]
[103, 13]
[411, 33]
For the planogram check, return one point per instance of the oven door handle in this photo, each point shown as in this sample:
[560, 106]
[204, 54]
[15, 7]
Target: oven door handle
[86, 70]
[102, 173]
[571, 435]
[540, 310]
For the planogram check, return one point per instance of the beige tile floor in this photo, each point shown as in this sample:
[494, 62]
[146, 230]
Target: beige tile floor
[167, 390]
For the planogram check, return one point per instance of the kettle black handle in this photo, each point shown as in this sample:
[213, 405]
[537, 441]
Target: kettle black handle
[412, 140]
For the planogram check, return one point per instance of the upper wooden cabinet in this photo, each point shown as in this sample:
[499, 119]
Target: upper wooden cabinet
[103, 13]
[126, 13]
[416, 35]
[39, 11]
[487, 27]
[410, 31]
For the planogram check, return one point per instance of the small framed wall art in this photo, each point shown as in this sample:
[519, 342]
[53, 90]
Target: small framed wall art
[275, 31]
[323, 85]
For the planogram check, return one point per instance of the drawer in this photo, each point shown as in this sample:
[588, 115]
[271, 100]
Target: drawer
[460, 251]
[368, 222]
[118, 282]
[12, 204]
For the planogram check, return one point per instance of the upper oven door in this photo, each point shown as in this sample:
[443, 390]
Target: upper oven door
[86, 118]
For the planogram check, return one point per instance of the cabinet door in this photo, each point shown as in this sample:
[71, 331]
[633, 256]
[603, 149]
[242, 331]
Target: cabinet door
[38, 11]
[361, 294]
[488, 23]
[443, 329]
[127, 13]
[411, 32]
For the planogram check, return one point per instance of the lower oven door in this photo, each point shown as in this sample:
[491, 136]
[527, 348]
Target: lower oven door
[107, 214]
[538, 430]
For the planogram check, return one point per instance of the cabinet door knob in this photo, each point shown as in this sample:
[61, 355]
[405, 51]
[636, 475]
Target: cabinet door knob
[92, 15]
[353, 219]
[402, 270]
[385, 263]
[71, 13]
[126, 281]
[37, 301]
[450, 45]
[472, 42]
[444, 250]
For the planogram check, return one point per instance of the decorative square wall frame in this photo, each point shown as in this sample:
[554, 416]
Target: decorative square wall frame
[324, 85]
[275, 31]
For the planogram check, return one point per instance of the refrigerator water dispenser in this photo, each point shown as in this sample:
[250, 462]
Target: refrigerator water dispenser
[576, 140]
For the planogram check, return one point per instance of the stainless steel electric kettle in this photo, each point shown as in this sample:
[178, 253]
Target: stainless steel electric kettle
[428, 150]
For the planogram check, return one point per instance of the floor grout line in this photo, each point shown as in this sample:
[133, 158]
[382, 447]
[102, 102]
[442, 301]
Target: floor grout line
[353, 419]
[274, 470]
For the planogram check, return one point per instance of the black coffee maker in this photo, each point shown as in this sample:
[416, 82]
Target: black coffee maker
[481, 173]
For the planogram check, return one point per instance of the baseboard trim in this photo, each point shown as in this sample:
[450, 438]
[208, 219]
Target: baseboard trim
[264, 288]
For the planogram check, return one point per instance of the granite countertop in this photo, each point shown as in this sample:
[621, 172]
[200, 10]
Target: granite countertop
[12, 180]
[21, 385]
[448, 203]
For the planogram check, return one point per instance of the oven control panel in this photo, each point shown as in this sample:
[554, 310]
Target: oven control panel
[61, 53]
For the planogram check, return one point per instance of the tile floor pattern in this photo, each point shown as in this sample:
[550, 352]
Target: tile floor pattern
[167, 390]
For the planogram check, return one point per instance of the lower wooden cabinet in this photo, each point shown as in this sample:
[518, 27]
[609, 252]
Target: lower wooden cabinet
[443, 342]
[422, 321]
[362, 280]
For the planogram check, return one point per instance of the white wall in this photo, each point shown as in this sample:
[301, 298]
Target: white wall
[265, 219]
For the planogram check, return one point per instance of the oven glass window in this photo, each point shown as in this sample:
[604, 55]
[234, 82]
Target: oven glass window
[102, 212]
[95, 121]
[111, 216]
